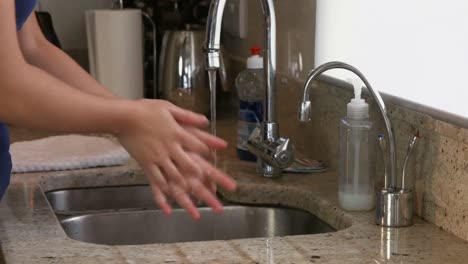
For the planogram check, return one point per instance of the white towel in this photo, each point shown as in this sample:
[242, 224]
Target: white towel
[67, 152]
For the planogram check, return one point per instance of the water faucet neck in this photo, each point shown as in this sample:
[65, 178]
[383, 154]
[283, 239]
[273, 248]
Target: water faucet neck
[305, 110]
[270, 130]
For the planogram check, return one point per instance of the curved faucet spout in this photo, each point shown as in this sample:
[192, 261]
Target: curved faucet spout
[269, 129]
[213, 34]
[305, 106]
[269, 15]
[213, 46]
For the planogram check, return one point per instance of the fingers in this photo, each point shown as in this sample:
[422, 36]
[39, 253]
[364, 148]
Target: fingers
[184, 201]
[211, 141]
[192, 143]
[172, 171]
[186, 117]
[204, 194]
[215, 175]
[202, 184]
[161, 200]
[173, 174]
[159, 186]
[210, 185]
[156, 177]
[186, 165]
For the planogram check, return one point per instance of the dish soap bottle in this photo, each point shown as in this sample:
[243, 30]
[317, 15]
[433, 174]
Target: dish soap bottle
[250, 88]
[356, 180]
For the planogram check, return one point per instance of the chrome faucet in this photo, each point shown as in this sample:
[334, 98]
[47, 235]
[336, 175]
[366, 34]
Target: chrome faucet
[274, 153]
[394, 205]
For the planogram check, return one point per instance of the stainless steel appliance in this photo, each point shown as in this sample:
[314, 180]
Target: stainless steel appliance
[183, 79]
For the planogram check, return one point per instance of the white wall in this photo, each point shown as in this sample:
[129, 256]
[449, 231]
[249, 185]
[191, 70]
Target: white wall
[68, 19]
[417, 49]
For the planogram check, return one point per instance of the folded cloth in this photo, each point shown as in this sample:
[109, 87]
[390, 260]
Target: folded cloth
[67, 152]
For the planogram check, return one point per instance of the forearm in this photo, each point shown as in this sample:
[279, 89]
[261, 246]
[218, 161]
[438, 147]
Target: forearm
[55, 62]
[32, 98]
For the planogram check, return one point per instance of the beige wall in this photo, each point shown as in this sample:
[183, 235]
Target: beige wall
[296, 35]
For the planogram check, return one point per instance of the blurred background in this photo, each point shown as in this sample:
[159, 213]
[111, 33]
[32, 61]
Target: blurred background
[68, 18]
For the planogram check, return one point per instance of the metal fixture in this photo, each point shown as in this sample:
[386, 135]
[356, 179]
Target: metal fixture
[182, 77]
[394, 208]
[383, 150]
[394, 205]
[269, 130]
[94, 214]
[278, 153]
[305, 108]
[409, 152]
[153, 226]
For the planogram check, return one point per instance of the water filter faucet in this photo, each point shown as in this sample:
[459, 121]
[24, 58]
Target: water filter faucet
[394, 205]
[269, 167]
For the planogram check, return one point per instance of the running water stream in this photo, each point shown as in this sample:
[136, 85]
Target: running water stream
[212, 83]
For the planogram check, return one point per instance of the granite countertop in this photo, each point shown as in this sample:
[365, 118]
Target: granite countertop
[30, 232]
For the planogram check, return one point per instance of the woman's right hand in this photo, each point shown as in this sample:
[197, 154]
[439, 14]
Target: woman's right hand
[171, 149]
[159, 135]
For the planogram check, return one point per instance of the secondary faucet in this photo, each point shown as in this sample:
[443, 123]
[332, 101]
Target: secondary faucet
[394, 205]
[274, 153]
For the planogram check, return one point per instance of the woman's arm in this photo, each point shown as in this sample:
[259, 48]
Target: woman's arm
[149, 129]
[38, 51]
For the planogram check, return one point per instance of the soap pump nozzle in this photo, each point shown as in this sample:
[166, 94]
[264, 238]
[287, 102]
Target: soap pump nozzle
[357, 108]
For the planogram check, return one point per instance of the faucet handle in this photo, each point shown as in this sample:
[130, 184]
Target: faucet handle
[278, 153]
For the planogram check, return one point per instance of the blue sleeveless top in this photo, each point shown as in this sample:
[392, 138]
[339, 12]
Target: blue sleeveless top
[23, 10]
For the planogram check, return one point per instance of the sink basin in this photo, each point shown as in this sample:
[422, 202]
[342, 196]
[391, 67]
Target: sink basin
[73, 201]
[148, 227]
[127, 216]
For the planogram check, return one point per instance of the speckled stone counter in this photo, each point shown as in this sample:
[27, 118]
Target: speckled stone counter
[30, 232]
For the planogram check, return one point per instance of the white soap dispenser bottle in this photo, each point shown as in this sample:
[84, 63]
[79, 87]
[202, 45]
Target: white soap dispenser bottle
[355, 172]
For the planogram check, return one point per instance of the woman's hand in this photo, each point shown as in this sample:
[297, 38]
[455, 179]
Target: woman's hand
[163, 138]
[172, 151]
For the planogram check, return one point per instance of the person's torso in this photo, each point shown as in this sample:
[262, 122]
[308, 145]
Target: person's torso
[23, 9]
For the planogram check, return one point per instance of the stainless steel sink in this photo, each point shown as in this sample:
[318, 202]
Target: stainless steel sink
[147, 227]
[95, 216]
[74, 201]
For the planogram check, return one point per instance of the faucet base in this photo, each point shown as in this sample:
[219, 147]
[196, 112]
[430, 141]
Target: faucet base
[268, 171]
[394, 208]
[270, 132]
[274, 153]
